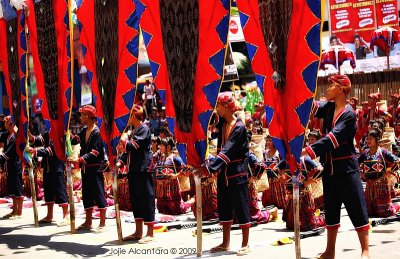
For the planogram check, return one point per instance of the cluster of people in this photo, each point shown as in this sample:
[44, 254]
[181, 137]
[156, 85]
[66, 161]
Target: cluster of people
[243, 173]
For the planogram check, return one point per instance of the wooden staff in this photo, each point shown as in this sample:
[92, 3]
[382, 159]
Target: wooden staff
[116, 204]
[296, 209]
[30, 170]
[199, 211]
[69, 166]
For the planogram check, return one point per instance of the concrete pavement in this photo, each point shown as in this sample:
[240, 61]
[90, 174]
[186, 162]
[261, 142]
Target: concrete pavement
[20, 239]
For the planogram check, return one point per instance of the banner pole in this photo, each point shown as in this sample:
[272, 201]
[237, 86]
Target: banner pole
[69, 166]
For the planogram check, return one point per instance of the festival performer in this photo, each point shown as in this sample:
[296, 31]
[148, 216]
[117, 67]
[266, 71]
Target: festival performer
[169, 167]
[91, 161]
[257, 168]
[55, 190]
[12, 165]
[341, 179]
[138, 160]
[276, 194]
[376, 164]
[310, 218]
[231, 168]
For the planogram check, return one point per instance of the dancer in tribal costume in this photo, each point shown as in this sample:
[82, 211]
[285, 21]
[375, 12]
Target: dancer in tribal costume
[141, 187]
[376, 163]
[341, 179]
[91, 161]
[231, 169]
[276, 194]
[12, 165]
[55, 190]
[310, 218]
[256, 214]
[169, 166]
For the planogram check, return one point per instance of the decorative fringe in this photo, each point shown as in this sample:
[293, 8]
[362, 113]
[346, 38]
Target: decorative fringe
[106, 31]
[47, 47]
[180, 32]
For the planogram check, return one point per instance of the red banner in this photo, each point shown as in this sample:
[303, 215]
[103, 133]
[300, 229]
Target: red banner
[341, 18]
[387, 13]
[364, 18]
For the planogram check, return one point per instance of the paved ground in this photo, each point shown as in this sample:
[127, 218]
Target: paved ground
[20, 239]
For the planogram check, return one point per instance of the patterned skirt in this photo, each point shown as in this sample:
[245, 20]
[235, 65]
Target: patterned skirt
[379, 198]
[209, 200]
[276, 194]
[309, 218]
[124, 199]
[169, 200]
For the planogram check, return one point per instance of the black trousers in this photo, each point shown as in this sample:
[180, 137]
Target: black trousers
[93, 189]
[141, 189]
[233, 199]
[14, 183]
[55, 189]
[344, 188]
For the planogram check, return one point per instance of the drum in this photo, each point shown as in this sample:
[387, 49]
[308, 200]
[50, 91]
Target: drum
[3, 183]
[373, 169]
[209, 199]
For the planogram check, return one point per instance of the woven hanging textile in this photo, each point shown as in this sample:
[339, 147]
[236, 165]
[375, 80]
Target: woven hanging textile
[186, 43]
[110, 37]
[12, 57]
[48, 31]
[285, 61]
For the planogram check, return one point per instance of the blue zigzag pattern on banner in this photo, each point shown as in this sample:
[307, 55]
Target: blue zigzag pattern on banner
[182, 149]
[201, 148]
[244, 18]
[310, 38]
[204, 118]
[260, 79]
[309, 76]
[296, 145]
[315, 7]
[129, 97]
[303, 111]
[121, 122]
[211, 92]
[252, 50]
[222, 28]
[280, 145]
[217, 61]
[171, 124]
[131, 73]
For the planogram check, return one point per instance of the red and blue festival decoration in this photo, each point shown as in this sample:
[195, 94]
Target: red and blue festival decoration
[288, 108]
